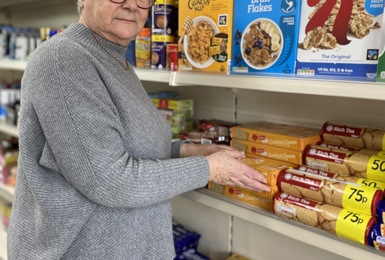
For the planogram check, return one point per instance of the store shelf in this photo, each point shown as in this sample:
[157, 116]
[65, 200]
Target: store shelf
[286, 227]
[338, 88]
[311, 86]
[7, 192]
[9, 130]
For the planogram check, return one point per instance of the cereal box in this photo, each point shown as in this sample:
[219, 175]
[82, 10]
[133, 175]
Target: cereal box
[205, 35]
[340, 39]
[381, 60]
[265, 33]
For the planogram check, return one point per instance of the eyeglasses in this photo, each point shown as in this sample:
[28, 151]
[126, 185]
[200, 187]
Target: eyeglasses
[143, 4]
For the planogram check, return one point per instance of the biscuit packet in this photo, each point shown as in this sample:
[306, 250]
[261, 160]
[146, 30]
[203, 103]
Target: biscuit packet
[364, 163]
[353, 136]
[260, 199]
[376, 236]
[342, 222]
[269, 168]
[330, 188]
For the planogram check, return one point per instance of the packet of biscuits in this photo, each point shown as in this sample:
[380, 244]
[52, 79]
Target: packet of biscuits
[252, 197]
[269, 168]
[360, 163]
[354, 136]
[330, 188]
[344, 223]
[376, 236]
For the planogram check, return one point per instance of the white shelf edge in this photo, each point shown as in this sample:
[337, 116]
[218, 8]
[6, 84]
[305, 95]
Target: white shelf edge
[9, 130]
[324, 87]
[292, 229]
[7, 192]
[295, 85]
[16, 65]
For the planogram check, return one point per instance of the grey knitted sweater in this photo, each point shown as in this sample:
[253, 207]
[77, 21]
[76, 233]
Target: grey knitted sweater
[97, 167]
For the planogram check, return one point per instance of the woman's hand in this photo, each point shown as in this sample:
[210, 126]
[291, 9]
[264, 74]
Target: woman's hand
[227, 169]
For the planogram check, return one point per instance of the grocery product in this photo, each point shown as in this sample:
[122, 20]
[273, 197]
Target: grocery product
[272, 152]
[269, 168]
[215, 187]
[342, 222]
[251, 197]
[358, 163]
[205, 29]
[376, 236]
[329, 188]
[353, 136]
[178, 112]
[143, 48]
[265, 34]
[280, 135]
[339, 39]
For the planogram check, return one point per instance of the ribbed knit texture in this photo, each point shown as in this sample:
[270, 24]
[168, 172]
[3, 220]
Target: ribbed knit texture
[95, 170]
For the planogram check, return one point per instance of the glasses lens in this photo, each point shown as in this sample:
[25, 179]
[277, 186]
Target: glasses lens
[145, 4]
[117, 1]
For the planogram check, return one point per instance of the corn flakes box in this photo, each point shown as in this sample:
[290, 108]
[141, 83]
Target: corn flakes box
[205, 29]
[340, 39]
[265, 33]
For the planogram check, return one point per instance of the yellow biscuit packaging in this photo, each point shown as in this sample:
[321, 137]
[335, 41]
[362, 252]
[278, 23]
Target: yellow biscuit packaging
[344, 223]
[361, 163]
[215, 187]
[205, 36]
[252, 197]
[269, 168]
[271, 152]
[353, 136]
[329, 188]
[280, 135]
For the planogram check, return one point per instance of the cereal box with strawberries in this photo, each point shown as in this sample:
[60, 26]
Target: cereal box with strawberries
[265, 35]
[205, 35]
[340, 39]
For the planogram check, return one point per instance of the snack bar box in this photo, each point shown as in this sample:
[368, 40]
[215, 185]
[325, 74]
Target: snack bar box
[278, 135]
[204, 30]
[340, 39]
[178, 113]
[265, 35]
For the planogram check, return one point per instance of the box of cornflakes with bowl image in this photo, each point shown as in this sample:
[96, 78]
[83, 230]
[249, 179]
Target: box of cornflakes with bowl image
[340, 39]
[265, 34]
[204, 31]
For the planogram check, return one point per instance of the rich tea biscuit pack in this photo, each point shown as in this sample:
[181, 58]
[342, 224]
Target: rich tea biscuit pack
[265, 36]
[340, 39]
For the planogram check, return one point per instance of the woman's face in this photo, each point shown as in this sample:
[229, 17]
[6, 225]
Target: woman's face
[119, 23]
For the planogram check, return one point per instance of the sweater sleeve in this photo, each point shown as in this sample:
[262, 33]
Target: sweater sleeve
[84, 134]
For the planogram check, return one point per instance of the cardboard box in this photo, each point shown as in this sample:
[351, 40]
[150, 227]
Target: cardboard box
[381, 60]
[340, 41]
[249, 197]
[281, 154]
[265, 34]
[205, 29]
[278, 135]
[178, 112]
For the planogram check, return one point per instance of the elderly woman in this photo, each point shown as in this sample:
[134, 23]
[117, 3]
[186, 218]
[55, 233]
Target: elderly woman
[97, 166]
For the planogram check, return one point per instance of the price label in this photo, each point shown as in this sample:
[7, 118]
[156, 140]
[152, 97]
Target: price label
[359, 198]
[376, 168]
[373, 184]
[352, 225]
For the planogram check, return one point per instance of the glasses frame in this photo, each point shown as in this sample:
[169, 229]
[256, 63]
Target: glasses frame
[123, 1]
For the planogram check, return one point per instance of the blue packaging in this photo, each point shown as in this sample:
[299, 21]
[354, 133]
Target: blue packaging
[265, 35]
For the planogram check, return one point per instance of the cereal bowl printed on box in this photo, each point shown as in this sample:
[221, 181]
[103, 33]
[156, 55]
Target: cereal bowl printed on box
[197, 42]
[261, 43]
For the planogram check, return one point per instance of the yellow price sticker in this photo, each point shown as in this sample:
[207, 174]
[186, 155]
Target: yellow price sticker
[353, 225]
[358, 198]
[376, 168]
[373, 184]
